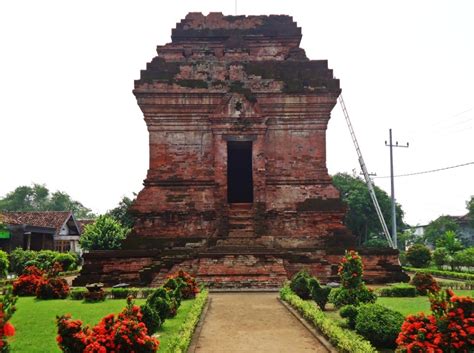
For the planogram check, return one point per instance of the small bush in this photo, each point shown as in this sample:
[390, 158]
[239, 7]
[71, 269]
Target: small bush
[349, 312]
[26, 284]
[52, 288]
[188, 285]
[419, 255]
[379, 324]
[4, 263]
[77, 293]
[424, 283]
[398, 290]
[151, 318]
[320, 295]
[67, 261]
[120, 293]
[95, 296]
[300, 284]
[160, 301]
[354, 296]
[45, 259]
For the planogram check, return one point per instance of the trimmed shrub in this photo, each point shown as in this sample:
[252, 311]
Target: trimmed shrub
[120, 293]
[77, 293]
[379, 324]
[424, 283]
[443, 273]
[320, 295]
[187, 284]
[354, 296]
[45, 259]
[95, 296]
[419, 255]
[300, 284]
[342, 339]
[180, 341]
[52, 288]
[161, 302]
[349, 312]
[67, 261]
[151, 318]
[398, 290]
[4, 263]
[26, 284]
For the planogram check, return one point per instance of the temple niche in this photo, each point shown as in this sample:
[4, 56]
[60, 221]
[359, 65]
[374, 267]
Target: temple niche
[237, 191]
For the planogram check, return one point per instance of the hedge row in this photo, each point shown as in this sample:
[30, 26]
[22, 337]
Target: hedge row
[77, 293]
[346, 341]
[179, 342]
[442, 273]
[398, 290]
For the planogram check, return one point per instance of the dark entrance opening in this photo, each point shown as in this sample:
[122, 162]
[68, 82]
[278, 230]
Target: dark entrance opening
[239, 172]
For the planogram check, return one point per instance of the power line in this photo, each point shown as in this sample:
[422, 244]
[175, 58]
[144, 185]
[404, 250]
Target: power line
[426, 171]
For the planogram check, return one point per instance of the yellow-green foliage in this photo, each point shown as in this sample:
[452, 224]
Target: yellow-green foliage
[179, 343]
[345, 341]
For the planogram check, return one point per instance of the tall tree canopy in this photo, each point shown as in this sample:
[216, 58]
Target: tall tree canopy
[436, 229]
[361, 217]
[38, 198]
[470, 210]
[121, 212]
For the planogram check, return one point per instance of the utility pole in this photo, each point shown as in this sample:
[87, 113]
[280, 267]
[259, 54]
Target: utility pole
[392, 186]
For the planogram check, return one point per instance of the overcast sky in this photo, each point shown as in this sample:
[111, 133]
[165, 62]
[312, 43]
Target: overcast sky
[68, 117]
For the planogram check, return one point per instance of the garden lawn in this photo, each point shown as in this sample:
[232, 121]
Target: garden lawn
[414, 305]
[35, 321]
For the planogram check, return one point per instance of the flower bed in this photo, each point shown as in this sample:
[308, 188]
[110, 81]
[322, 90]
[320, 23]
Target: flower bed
[346, 341]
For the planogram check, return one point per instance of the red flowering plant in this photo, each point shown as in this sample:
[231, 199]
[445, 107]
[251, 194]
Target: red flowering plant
[353, 291]
[449, 329]
[28, 282]
[425, 283]
[7, 308]
[122, 334]
[52, 286]
[186, 283]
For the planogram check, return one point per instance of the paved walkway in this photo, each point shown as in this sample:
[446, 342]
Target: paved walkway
[253, 323]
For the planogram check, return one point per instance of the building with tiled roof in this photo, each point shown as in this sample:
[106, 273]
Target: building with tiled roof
[51, 230]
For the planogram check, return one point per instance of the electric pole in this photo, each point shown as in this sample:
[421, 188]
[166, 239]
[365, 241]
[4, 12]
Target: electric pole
[392, 187]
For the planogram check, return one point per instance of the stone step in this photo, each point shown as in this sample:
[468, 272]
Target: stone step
[243, 233]
[240, 206]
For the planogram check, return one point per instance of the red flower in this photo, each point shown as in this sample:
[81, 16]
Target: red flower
[8, 329]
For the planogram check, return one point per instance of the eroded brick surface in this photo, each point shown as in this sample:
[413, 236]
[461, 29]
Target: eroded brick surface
[236, 78]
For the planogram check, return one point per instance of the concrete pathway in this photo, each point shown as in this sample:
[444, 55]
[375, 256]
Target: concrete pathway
[253, 323]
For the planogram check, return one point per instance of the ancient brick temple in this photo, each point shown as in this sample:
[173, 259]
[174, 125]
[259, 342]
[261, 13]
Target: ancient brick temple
[237, 191]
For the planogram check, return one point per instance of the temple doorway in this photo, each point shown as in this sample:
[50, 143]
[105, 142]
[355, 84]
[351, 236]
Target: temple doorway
[239, 172]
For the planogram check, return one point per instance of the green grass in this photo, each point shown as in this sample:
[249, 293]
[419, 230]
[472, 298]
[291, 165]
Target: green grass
[35, 323]
[172, 326]
[414, 305]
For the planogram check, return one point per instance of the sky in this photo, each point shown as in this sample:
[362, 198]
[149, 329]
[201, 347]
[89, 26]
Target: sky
[68, 118]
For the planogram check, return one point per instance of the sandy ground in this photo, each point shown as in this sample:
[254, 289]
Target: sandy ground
[253, 323]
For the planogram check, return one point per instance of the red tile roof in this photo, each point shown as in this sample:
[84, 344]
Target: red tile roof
[48, 219]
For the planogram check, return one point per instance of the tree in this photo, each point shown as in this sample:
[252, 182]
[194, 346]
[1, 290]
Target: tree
[441, 257]
[121, 212]
[104, 234]
[419, 255]
[437, 228]
[450, 242]
[361, 217]
[470, 209]
[38, 198]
